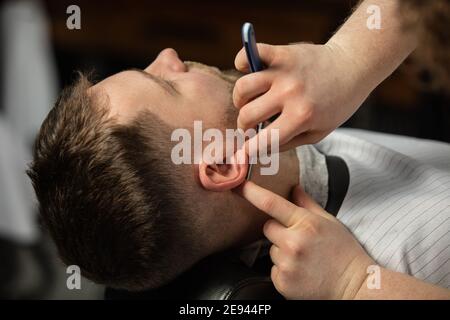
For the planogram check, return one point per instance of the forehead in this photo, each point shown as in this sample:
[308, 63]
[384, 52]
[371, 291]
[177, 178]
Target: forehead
[128, 92]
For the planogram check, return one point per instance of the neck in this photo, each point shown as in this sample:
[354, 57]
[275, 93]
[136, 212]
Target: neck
[235, 222]
[286, 178]
[281, 183]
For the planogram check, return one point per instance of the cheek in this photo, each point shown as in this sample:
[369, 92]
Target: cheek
[213, 97]
[210, 88]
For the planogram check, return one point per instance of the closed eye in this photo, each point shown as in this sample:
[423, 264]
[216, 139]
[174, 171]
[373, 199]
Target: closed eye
[172, 84]
[167, 85]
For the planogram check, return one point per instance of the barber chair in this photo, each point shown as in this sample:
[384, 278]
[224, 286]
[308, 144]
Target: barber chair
[219, 277]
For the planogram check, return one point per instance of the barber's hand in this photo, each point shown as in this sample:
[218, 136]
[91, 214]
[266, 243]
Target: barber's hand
[316, 88]
[314, 255]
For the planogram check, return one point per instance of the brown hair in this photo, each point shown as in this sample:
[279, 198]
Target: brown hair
[107, 194]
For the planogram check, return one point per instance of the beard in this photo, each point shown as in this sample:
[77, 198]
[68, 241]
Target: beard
[230, 76]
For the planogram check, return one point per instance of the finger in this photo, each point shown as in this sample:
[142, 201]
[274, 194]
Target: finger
[272, 204]
[302, 139]
[273, 230]
[241, 62]
[284, 128]
[274, 272]
[258, 110]
[275, 254]
[266, 53]
[287, 126]
[251, 86]
[302, 199]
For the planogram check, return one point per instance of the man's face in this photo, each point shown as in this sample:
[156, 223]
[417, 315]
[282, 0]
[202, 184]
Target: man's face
[178, 93]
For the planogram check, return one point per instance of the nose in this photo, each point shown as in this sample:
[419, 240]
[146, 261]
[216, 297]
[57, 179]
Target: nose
[167, 61]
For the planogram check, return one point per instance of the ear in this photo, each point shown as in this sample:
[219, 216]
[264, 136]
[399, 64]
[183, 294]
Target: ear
[226, 176]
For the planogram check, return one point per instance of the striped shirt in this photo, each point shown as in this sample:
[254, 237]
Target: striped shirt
[398, 201]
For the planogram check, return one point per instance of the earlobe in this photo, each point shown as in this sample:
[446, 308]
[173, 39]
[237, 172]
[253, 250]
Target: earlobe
[223, 177]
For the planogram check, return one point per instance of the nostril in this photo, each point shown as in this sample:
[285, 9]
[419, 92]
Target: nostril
[169, 58]
[179, 66]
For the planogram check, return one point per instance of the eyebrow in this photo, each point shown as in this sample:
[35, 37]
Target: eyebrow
[165, 84]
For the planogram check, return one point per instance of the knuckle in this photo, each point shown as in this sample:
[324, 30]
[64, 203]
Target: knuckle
[292, 87]
[281, 54]
[239, 60]
[271, 254]
[274, 273]
[238, 92]
[272, 251]
[276, 281]
[306, 111]
[267, 204]
[267, 227]
[283, 269]
[244, 117]
[282, 282]
[239, 85]
[309, 112]
[295, 246]
[304, 114]
[311, 227]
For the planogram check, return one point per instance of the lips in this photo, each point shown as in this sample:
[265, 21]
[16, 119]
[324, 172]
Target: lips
[229, 76]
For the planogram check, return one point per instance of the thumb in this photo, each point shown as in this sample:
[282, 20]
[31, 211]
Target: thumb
[302, 199]
[266, 53]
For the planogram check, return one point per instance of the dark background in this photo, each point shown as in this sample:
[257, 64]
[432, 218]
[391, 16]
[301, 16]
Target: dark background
[119, 34]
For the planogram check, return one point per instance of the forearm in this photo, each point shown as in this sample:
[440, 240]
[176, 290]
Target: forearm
[374, 53]
[395, 285]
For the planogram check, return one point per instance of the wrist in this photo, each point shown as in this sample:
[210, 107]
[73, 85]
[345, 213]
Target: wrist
[356, 278]
[360, 76]
[369, 288]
